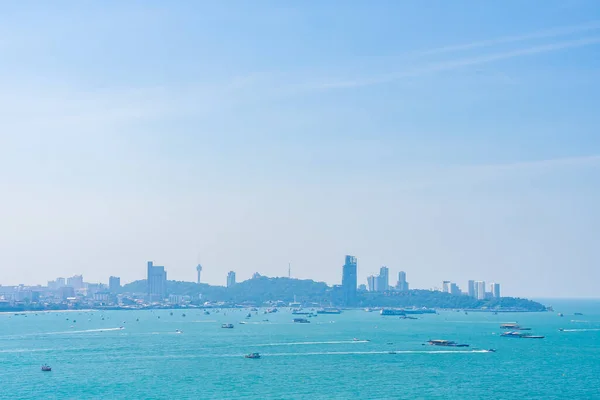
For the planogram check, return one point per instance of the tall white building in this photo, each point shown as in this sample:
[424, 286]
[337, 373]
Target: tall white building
[471, 289]
[495, 289]
[446, 286]
[402, 285]
[371, 283]
[383, 279]
[230, 279]
[480, 290]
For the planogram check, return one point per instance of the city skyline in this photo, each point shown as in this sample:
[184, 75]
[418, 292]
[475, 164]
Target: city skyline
[156, 279]
[393, 136]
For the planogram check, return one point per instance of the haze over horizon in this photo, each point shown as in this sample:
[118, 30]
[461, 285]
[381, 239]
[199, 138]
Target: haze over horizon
[434, 139]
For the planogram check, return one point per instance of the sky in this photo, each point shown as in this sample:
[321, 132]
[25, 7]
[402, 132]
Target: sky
[451, 140]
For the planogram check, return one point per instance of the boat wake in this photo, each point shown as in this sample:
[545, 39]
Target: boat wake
[344, 353]
[82, 331]
[581, 330]
[312, 343]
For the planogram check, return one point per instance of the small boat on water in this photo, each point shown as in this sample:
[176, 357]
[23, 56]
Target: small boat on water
[227, 326]
[46, 368]
[178, 331]
[520, 335]
[252, 355]
[392, 352]
[301, 321]
[561, 314]
[446, 343]
[514, 327]
[407, 317]
[249, 315]
[206, 312]
[578, 313]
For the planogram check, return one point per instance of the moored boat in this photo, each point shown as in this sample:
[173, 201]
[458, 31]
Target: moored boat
[252, 355]
[301, 321]
[46, 368]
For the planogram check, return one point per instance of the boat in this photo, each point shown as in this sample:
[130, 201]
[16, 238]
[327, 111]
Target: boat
[491, 350]
[227, 326]
[561, 314]
[404, 311]
[514, 326]
[299, 311]
[446, 343]
[46, 368]
[301, 321]
[242, 323]
[392, 352]
[252, 355]
[249, 315]
[407, 317]
[520, 335]
[206, 312]
[178, 331]
[578, 313]
[254, 309]
[329, 311]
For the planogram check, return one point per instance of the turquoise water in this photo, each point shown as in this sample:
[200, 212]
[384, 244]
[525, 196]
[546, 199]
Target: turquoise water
[92, 359]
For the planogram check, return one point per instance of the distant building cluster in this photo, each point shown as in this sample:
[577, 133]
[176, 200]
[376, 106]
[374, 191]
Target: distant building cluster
[475, 289]
[74, 290]
[381, 282]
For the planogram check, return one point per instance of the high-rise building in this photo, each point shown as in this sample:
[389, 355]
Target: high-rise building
[495, 289]
[446, 286]
[402, 285]
[349, 280]
[198, 270]
[471, 289]
[157, 282]
[480, 290]
[383, 279]
[76, 282]
[114, 284]
[371, 283]
[230, 279]
[454, 289]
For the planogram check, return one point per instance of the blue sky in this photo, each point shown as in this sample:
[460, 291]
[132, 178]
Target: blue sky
[453, 140]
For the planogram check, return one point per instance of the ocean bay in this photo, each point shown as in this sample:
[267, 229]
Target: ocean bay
[136, 354]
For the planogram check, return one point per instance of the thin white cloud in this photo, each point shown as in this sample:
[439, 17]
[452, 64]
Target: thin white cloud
[545, 34]
[465, 62]
[580, 161]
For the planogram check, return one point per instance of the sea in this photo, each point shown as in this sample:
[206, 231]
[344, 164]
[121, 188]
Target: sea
[164, 354]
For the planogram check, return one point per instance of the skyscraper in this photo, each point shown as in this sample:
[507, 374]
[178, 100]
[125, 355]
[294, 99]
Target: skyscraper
[384, 279]
[199, 270]
[480, 290]
[402, 285]
[471, 289]
[495, 289]
[230, 279]
[371, 283]
[114, 284]
[446, 286]
[349, 280]
[454, 289]
[157, 282]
